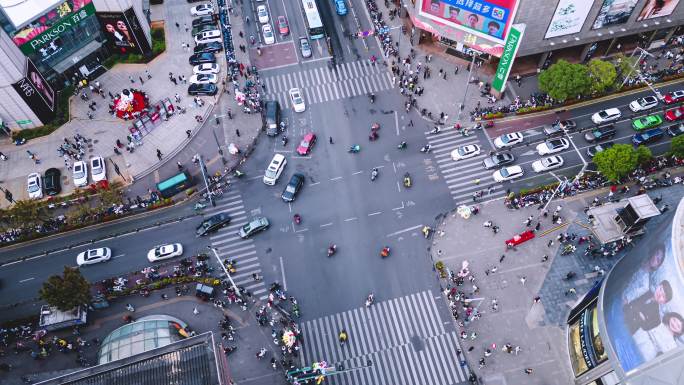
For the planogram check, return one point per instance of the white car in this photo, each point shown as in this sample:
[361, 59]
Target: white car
[262, 12]
[34, 186]
[269, 37]
[605, 116]
[508, 140]
[643, 104]
[297, 100]
[202, 9]
[465, 152]
[548, 163]
[206, 68]
[98, 169]
[165, 252]
[553, 146]
[80, 173]
[508, 173]
[203, 79]
[92, 256]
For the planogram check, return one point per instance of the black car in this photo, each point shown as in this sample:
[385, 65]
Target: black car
[203, 28]
[601, 133]
[201, 58]
[202, 20]
[557, 128]
[52, 181]
[272, 117]
[497, 160]
[206, 89]
[676, 129]
[212, 224]
[292, 188]
[213, 46]
[593, 150]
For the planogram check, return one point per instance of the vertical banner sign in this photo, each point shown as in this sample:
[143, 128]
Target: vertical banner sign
[506, 62]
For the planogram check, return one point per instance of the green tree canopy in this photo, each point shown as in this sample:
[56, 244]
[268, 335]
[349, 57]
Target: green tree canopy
[677, 146]
[565, 80]
[66, 291]
[617, 161]
[602, 73]
[643, 154]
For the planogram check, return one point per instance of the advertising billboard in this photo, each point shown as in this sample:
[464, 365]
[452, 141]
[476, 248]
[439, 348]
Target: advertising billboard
[124, 33]
[489, 19]
[37, 93]
[657, 8]
[50, 25]
[644, 301]
[568, 18]
[40, 84]
[614, 12]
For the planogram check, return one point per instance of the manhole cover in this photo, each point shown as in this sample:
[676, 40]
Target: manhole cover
[417, 343]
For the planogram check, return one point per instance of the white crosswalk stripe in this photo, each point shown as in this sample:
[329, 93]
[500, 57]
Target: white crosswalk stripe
[404, 338]
[229, 245]
[461, 176]
[321, 85]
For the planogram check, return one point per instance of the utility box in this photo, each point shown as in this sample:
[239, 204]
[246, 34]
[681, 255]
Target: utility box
[53, 319]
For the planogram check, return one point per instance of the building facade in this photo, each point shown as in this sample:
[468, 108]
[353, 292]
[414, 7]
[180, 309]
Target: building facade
[51, 44]
[575, 29]
[629, 329]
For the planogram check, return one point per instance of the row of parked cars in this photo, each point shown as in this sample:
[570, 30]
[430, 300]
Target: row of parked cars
[206, 33]
[50, 183]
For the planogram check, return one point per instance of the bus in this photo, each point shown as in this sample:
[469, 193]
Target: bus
[313, 19]
[172, 186]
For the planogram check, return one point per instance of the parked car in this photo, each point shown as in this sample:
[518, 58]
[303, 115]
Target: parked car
[165, 252]
[497, 160]
[646, 122]
[52, 183]
[283, 25]
[267, 31]
[80, 173]
[601, 133]
[508, 140]
[643, 104]
[297, 100]
[676, 129]
[560, 127]
[206, 68]
[210, 36]
[674, 97]
[92, 256]
[98, 168]
[213, 46]
[253, 227]
[202, 20]
[201, 58]
[202, 10]
[293, 186]
[593, 150]
[203, 28]
[305, 47]
[553, 146]
[465, 152]
[306, 144]
[213, 223]
[34, 186]
[262, 14]
[274, 169]
[203, 79]
[548, 163]
[605, 116]
[508, 173]
[648, 136]
[272, 117]
[675, 114]
[202, 89]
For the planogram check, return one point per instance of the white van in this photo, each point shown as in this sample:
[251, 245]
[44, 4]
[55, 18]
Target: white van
[208, 36]
[275, 168]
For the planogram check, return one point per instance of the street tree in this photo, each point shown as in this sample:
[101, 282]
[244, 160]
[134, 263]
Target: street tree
[110, 197]
[677, 146]
[564, 80]
[625, 68]
[67, 291]
[603, 75]
[643, 154]
[616, 162]
[26, 213]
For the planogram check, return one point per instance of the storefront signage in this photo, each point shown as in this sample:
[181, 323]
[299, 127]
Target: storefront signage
[657, 8]
[33, 99]
[25, 121]
[39, 36]
[506, 61]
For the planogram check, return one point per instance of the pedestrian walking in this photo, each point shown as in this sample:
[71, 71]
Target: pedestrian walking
[538, 226]
[180, 165]
[528, 371]
[188, 133]
[537, 299]
[177, 25]
[522, 280]
[186, 27]
[195, 311]
[477, 181]
[148, 74]
[503, 256]
[571, 290]
[159, 154]
[237, 132]
[141, 80]
[177, 97]
[550, 243]
[545, 258]
[131, 79]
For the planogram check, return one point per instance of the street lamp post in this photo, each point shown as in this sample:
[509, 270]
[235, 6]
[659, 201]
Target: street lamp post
[642, 53]
[465, 94]
[225, 271]
[206, 182]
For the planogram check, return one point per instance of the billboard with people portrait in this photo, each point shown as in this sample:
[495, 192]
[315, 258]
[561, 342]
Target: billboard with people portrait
[614, 12]
[643, 302]
[490, 19]
[657, 8]
[118, 32]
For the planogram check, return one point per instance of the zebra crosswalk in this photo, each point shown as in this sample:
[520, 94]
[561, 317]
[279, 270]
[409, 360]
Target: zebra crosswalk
[323, 84]
[463, 177]
[403, 338]
[229, 244]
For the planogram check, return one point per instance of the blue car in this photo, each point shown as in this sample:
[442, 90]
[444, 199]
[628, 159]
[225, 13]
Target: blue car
[340, 7]
[648, 136]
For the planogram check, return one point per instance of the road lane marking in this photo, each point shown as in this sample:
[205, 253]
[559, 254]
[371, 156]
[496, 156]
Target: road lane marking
[26, 280]
[358, 172]
[375, 213]
[327, 224]
[315, 183]
[405, 230]
[337, 178]
[302, 230]
[282, 271]
[351, 219]
[118, 256]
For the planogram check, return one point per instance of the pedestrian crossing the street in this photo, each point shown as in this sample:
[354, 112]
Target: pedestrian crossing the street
[229, 245]
[464, 177]
[403, 338]
[321, 84]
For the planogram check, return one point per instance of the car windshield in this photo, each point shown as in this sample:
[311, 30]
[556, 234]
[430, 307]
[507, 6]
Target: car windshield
[463, 150]
[304, 143]
[78, 173]
[504, 172]
[603, 114]
[33, 186]
[297, 99]
[270, 173]
[548, 162]
[246, 228]
[290, 188]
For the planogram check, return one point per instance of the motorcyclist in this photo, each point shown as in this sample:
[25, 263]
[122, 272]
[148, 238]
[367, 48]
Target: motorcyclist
[284, 138]
[407, 180]
[374, 173]
[402, 145]
[385, 252]
[331, 249]
[370, 299]
[372, 97]
[130, 307]
[297, 218]
[435, 130]
[343, 336]
[426, 148]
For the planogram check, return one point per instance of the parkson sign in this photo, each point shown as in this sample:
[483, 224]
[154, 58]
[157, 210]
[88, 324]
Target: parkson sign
[506, 62]
[57, 29]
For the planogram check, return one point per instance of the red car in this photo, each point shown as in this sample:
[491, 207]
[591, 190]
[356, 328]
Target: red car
[674, 97]
[283, 27]
[675, 114]
[306, 144]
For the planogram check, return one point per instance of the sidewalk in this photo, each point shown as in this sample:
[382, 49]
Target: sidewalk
[538, 328]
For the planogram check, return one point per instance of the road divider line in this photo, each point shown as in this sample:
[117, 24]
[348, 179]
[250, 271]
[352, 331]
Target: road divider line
[302, 230]
[315, 183]
[118, 256]
[375, 213]
[358, 172]
[26, 280]
[282, 272]
[326, 224]
[405, 230]
[336, 178]
[351, 219]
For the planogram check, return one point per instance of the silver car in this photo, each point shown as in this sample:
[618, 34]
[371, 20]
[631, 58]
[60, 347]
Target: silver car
[305, 47]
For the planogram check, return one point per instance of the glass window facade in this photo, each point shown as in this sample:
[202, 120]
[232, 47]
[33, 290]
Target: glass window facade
[586, 346]
[146, 334]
